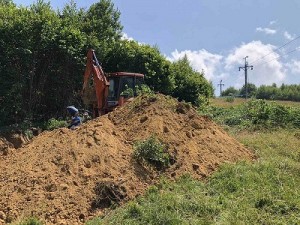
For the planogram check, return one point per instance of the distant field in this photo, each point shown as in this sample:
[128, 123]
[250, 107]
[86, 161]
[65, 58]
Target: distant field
[221, 102]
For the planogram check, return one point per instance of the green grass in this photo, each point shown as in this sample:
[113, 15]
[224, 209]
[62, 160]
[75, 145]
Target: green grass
[29, 221]
[222, 102]
[262, 192]
[255, 115]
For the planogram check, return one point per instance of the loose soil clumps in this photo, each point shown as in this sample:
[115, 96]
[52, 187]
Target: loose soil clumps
[69, 176]
[5, 146]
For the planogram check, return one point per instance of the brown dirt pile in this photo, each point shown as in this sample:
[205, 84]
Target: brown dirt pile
[5, 146]
[69, 176]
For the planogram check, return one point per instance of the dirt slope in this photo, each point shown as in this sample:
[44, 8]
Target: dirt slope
[63, 176]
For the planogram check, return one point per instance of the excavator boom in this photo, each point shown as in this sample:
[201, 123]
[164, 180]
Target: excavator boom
[99, 86]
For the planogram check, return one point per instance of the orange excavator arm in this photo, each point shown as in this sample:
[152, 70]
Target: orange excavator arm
[101, 84]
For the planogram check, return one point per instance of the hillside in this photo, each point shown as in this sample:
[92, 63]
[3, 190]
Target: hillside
[68, 176]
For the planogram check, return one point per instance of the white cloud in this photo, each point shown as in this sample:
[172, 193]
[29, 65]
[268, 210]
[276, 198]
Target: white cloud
[266, 30]
[267, 67]
[273, 22]
[200, 60]
[126, 37]
[288, 36]
[294, 66]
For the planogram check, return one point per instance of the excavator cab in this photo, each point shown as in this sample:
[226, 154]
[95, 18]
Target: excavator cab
[122, 85]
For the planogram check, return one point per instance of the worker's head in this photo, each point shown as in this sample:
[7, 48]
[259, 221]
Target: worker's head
[72, 110]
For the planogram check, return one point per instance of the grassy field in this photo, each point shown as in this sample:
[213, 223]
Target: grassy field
[262, 192]
[221, 102]
[265, 191]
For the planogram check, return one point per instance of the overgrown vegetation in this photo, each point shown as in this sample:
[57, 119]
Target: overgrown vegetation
[256, 114]
[259, 192]
[54, 124]
[152, 151]
[190, 85]
[268, 92]
[41, 67]
[42, 59]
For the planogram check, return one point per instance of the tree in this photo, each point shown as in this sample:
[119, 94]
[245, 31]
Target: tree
[43, 51]
[102, 27]
[251, 90]
[43, 55]
[230, 91]
[190, 86]
[6, 2]
[131, 56]
[267, 92]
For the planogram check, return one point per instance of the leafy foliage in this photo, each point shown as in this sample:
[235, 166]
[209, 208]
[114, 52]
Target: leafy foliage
[284, 92]
[152, 151]
[268, 92]
[141, 58]
[256, 114]
[43, 55]
[251, 90]
[42, 59]
[54, 123]
[229, 98]
[230, 91]
[144, 90]
[128, 92]
[190, 86]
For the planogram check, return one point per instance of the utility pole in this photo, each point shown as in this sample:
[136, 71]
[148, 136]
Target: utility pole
[245, 68]
[220, 84]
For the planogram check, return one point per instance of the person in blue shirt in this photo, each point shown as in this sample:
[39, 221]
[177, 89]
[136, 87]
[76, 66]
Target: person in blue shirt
[76, 120]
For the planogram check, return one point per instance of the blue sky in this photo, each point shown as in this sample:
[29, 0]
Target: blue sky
[216, 35]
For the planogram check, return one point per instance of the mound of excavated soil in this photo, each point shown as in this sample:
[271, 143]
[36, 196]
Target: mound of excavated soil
[69, 176]
[5, 146]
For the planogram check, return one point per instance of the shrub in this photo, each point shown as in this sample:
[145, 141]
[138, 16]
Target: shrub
[54, 123]
[255, 114]
[28, 133]
[230, 98]
[152, 151]
[128, 92]
[144, 90]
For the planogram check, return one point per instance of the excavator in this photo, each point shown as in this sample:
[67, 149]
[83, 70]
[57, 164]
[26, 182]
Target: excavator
[105, 91]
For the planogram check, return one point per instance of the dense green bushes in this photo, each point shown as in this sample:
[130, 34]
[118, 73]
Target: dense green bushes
[190, 86]
[42, 59]
[272, 92]
[43, 55]
[256, 114]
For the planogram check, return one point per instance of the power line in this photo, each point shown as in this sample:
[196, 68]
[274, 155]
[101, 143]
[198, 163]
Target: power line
[276, 49]
[245, 68]
[264, 62]
[220, 84]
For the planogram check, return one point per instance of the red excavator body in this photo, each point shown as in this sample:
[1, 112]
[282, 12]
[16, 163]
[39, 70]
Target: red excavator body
[103, 92]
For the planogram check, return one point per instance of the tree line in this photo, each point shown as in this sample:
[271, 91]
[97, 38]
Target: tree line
[43, 55]
[268, 92]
